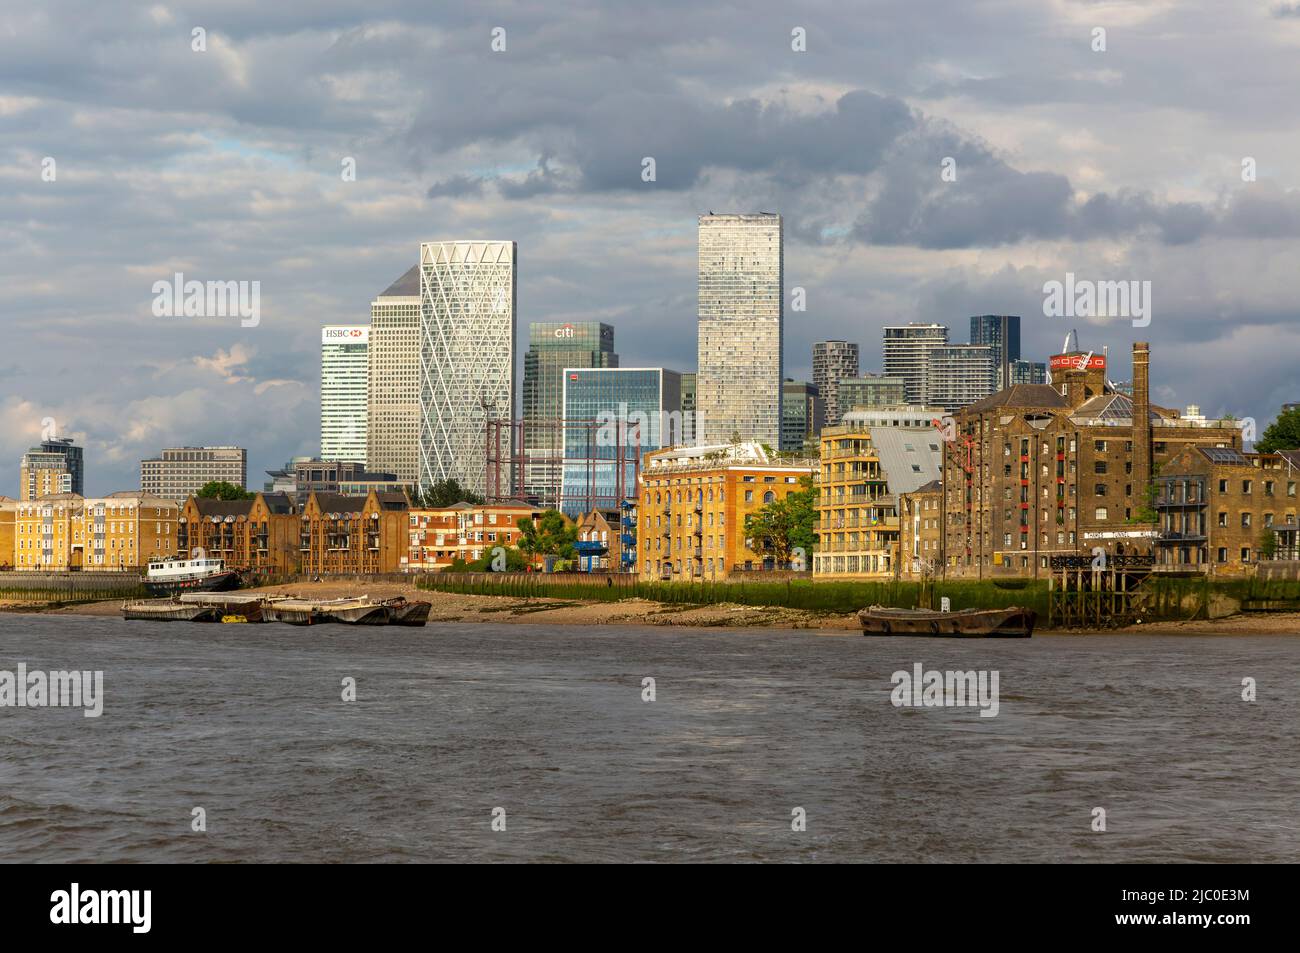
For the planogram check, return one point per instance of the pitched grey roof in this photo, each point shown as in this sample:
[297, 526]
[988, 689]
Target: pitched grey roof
[1020, 395]
[910, 458]
[407, 286]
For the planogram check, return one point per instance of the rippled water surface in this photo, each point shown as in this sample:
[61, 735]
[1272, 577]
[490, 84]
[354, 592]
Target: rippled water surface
[452, 721]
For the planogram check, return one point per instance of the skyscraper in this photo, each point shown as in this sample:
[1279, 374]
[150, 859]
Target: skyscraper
[467, 357]
[1002, 333]
[833, 361]
[628, 408]
[904, 353]
[741, 308]
[393, 400]
[552, 347]
[52, 466]
[871, 391]
[344, 382]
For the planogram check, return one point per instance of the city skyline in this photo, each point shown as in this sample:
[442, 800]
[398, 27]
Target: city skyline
[1109, 165]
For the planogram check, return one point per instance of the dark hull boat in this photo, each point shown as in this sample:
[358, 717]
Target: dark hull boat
[170, 585]
[1010, 623]
[403, 612]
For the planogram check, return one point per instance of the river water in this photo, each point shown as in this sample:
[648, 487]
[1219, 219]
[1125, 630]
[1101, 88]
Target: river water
[548, 724]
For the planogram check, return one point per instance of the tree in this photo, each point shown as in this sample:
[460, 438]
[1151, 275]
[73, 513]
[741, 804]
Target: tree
[1267, 544]
[444, 493]
[221, 490]
[1282, 434]
[552, 535]
[778, 528]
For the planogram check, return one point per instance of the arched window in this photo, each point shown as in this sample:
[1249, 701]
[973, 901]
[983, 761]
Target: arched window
[769, 497]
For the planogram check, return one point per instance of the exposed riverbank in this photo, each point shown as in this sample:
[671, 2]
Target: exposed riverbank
[456, 607]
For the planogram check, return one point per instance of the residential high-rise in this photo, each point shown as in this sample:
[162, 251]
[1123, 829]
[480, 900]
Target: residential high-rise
[1028, 372]
[180, 472]
[1001, 332]
[344, 391]
[393, 400]
[801, 408]
[552, 347]
[467, 357]
[629, 410]
[52, 466]
[904, 352]
[958, 375]
[741, 308]
[872, 390]
[833, 361]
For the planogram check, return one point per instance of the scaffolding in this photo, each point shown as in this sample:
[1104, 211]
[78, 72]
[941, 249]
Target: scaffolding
[558, 463]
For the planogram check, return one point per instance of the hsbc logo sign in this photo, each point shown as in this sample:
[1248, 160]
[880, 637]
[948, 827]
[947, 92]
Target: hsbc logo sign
[346, 335]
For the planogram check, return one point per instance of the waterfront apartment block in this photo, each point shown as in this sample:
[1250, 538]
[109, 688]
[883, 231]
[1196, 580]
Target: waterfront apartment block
[693, 503]
[857, 516]
[467, 357]
[393, 380]
[180, 472]
[344, 390]
[438, 536]
[8, 514]
[353, 535]
[920, 532]
[904, 349]
[119, 532]
[257, 537]
[1221, 511]
[741, 309]
[1036, 471]
[869, 392]
[834, 361]
[52, 466]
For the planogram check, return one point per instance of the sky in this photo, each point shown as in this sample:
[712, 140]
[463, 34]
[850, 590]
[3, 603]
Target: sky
[226, 163]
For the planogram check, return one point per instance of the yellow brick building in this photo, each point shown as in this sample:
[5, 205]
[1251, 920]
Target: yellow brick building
[857, 517]
[8, 512]
[119, 532]
[692, 506]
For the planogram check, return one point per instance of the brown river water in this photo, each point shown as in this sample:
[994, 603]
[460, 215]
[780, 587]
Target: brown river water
[549, 724]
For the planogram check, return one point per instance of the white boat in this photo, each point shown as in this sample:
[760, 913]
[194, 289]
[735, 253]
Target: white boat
[171, 576]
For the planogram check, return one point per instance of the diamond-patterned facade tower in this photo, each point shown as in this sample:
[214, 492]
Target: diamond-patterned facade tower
[467, 356]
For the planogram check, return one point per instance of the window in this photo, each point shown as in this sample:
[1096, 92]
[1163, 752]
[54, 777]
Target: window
[1245, 519]
[1223, 518]
[1099, 446]
[1223, 554]
[749, 496]
[1100, 513]
[1100, 490]
[1099, 466]
[1245, 554]
[1223, 486]
[1245, 487]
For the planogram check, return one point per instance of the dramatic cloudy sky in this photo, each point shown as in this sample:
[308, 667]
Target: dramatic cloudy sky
[1117, 165]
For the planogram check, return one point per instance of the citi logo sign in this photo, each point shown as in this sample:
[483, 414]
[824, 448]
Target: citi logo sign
[564, 332]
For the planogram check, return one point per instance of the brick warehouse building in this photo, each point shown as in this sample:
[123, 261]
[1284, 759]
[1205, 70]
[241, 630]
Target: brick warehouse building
[1039, 470]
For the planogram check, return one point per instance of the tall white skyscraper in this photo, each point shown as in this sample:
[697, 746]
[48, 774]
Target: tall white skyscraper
[393, 425]
[467, 357]
[741, 308]
[344, 384]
